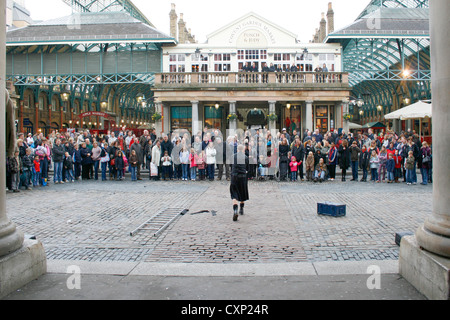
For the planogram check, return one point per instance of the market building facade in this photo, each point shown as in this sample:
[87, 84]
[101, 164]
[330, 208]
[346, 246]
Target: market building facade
[106, 70]
[250, 73]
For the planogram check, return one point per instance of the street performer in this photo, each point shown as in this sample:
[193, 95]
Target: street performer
[239, 181]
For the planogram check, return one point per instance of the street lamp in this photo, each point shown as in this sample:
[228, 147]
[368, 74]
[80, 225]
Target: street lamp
[357, 101]
[104, 104]
[65, 96]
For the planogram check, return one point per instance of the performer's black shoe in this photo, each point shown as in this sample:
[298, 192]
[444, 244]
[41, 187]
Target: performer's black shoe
[241, 210]
[235, 212]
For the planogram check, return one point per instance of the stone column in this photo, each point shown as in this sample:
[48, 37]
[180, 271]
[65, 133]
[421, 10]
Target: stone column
[10, 238]
[272, 124]
[20, 261]
[345, 110]
[425, 258]
[158, 124]
[309, 115]
[196, 124]
[434, 235]
[233, 123]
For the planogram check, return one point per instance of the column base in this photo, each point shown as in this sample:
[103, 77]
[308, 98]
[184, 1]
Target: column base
[427, 272]
[22, 266]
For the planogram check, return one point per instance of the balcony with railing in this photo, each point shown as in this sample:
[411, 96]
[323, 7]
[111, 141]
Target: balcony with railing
[252, 80]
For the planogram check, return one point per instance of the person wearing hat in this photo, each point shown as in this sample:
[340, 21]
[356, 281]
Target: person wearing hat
[239, 181]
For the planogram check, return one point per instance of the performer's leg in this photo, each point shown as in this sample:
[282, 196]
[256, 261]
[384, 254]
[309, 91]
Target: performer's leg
[235, 210]
[241, 211]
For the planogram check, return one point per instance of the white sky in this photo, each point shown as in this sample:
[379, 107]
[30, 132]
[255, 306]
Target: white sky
[301, 17]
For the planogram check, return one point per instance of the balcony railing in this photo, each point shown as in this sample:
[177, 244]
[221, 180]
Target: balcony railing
[251, 79]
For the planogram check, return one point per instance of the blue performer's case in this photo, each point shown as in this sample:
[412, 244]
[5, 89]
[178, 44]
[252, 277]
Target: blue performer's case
[331, 209]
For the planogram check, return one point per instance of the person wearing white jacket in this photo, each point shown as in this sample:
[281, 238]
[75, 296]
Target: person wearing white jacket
[210, 160]
[156, 161]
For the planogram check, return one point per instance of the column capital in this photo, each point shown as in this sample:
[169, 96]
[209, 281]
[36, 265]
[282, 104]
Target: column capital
[195, 102]
[232, 102]
[309, 101]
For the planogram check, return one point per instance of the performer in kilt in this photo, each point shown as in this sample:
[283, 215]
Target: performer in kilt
[239, 181]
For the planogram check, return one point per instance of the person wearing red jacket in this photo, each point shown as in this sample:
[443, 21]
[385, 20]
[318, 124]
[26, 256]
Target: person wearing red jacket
[398, 166]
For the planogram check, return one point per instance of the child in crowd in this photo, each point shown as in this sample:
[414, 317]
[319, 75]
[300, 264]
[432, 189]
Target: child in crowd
[68, 167]
[364, 159]
[133, 161]
[119, 165]
[201, 165]
[320, 171]
[294, 168]
[166, 165]
[309, 166]
[14, 168]
[390, 167]
[383, 158]
[374, 165]
[409, 166]
[193, 164]
[36, 171]
[27, 164]
[398, 166]
[184, 159]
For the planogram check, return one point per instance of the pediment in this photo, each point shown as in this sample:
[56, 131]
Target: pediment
[252, 31]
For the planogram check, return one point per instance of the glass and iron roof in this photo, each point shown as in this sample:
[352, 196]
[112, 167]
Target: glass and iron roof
[94, 27]
[108, 6]
[388, 38]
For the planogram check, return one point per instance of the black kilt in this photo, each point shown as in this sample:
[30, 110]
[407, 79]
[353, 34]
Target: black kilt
[239, 187]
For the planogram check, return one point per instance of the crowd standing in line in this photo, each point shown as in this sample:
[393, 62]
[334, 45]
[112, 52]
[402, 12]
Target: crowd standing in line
[208, 155]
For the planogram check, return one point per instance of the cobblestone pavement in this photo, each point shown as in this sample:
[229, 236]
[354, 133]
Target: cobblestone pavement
[92, 221]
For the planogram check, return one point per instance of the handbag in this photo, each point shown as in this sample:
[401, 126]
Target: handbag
[426, 159]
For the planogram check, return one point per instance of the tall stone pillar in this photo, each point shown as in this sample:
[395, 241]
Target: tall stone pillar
[425, 257]
[196, 124]
[345, 110]
[272, 124]
[309, 115]
[20, 261]
[159, 124]
[233, 123]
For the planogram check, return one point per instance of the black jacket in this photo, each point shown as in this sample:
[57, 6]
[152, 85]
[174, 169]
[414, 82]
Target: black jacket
[239, 166]
[344, 157]
[58, 153]
[298, 152]
[364, 158]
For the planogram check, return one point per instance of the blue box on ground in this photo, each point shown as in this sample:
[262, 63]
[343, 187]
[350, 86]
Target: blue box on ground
[331, 209]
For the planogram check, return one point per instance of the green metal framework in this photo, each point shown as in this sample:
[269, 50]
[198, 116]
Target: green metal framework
[92, 70]
[376, 4]
[108, 6]
[386, 68]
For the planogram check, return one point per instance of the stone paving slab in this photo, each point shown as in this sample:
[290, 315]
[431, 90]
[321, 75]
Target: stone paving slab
[91, 221]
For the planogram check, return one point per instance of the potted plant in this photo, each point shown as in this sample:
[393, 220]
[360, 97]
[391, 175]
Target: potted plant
[348, 117]
[157, 116]
[232, 117]
[272, 117]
